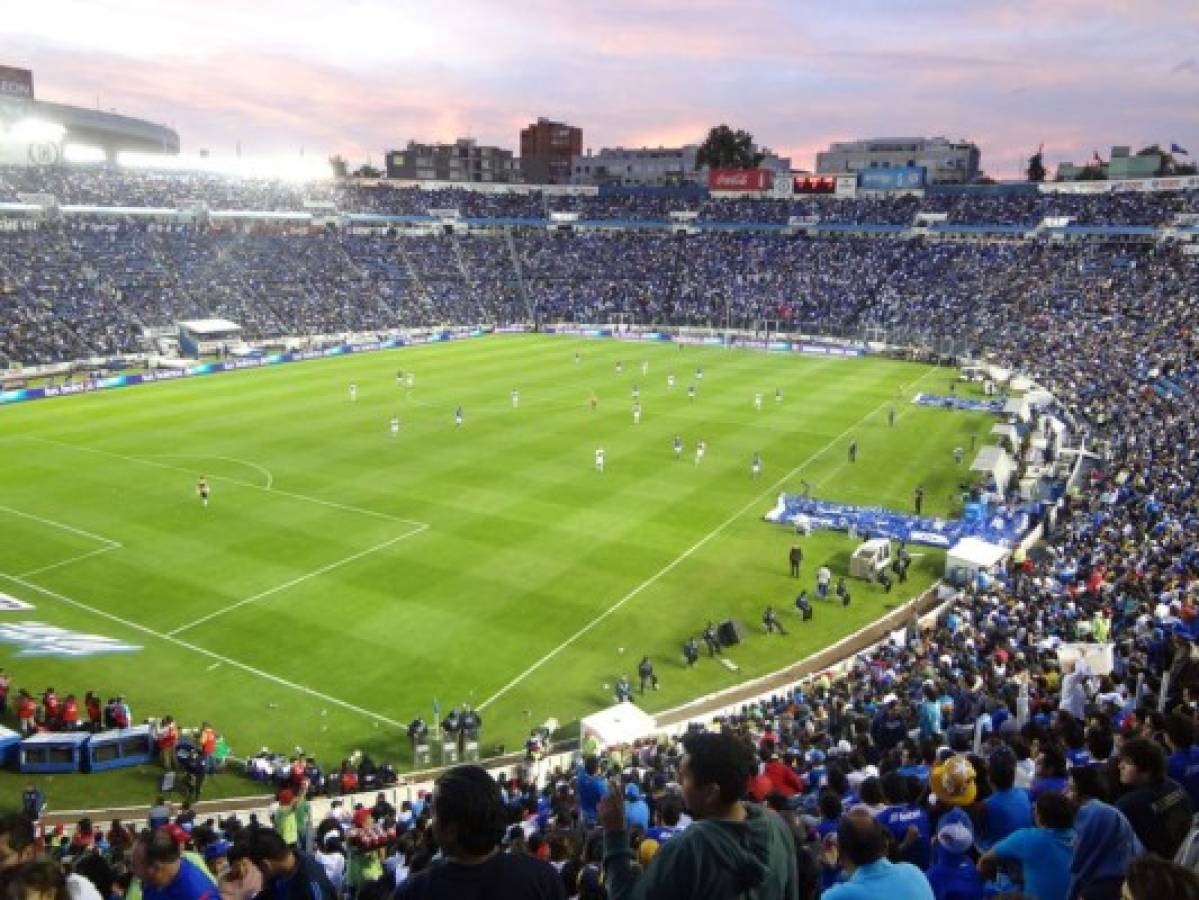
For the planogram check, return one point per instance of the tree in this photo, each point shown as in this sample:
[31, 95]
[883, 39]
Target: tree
[366, 170]
[725, 148]
[339, 165]
[1036, 165]
[1092, 173]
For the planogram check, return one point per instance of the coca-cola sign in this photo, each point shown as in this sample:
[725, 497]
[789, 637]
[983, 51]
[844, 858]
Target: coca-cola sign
[738, 179]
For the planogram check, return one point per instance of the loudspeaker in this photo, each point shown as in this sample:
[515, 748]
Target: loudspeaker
[731, 632]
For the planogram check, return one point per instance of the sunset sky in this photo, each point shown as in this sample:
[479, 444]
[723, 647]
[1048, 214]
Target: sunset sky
[358, 77]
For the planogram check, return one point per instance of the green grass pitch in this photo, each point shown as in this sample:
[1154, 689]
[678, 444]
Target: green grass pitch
[342, 578]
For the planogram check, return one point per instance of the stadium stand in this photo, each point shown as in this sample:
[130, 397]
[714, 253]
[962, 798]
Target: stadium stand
[933, 750]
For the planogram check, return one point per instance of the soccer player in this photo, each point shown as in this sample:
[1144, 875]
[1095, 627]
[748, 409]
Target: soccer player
[778, 395]
[619, 367]
[678, 447]
[699, 373]
[399, 377]
[919, 498]
[645, 367]
[411, 379]
[691, 651]
[758, 401]
[958, 453]
[700, 449]
[891, 416]
[458, 417]
[670, 382]
[599, 459]
[636, 413]
[515, 398]
[691, 392]
[636, 392]
[353, 391]
[202, 489]
[755, 465]
[395, 426]
[853, 450]
[594, 402]
[578, 358]
[771, 620]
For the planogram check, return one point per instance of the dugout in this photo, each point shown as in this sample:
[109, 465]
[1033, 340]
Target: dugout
[198, 337]
[619, 724]
[119, 748]
[53, 753]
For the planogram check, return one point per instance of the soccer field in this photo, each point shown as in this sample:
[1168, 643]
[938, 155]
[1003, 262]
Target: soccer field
[343, 578]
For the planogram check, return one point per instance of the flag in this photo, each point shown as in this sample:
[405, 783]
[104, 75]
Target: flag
[1174, 148]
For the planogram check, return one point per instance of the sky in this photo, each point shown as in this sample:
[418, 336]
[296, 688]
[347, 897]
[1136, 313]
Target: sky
[358, 77]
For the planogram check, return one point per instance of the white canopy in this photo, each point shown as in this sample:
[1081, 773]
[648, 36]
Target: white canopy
[1018, 407]
[619, 724]
[995, 462]
[201, 327]
[974, 555]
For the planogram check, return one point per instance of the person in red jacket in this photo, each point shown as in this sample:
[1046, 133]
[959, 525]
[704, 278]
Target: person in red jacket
[95, 714]
[53, 707]
[70, 713]
[166, 736]
[4, 685]
[783, 778]
[26, 712]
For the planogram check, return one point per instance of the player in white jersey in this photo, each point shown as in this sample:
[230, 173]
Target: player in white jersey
[515, 398]
[353, 392]
[578, 358]
[678, 447]
[636, 413]
[700, 449]
[636, 392]
[778, 395]
[699, 373]
[395, 426]
[619, 366]
[599, 459]
[670, 382]
[691, 392]
[399, 378]
[755, 465]
[411, 379]
[645, 367]
[458, 417]
[758, 401]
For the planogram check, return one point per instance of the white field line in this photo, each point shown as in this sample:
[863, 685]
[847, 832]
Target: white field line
[216, 657]
[299, 579]
[67, 562]
[270, 479]
[112, 545]
[670, 566]
[140, 460]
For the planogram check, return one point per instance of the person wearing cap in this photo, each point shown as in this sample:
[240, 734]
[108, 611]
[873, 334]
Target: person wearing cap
[287, 815]
[1044, 852]
[469, 819]
[287, 874]
[636, 810]
[953, 875]
[861, 850]
[216, 858]
[732, 849]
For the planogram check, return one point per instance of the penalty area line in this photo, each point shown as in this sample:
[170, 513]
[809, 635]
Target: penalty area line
[299, 579]
[674, 563]
[216, 657]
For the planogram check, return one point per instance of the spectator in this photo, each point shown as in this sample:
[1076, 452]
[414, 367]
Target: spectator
[1104, 845]
[732, 848]
[1008, 809]
[165, 874]
[1044, 852]
[1157, 807]
[1150, 878]
[468, 823]
[287, 874]
[953, 875]
[861, 849]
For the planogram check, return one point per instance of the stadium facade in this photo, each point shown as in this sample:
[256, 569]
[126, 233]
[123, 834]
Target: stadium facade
[944, 161]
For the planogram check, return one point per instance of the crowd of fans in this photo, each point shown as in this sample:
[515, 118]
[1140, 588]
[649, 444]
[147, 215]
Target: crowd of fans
[973, 757]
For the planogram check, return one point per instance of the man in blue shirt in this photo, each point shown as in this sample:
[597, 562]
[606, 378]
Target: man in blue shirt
[591, 788]
[907, 822]
[1008, 808]
[861, 848]
[636, 810]
[165, 874]
[1044, 852]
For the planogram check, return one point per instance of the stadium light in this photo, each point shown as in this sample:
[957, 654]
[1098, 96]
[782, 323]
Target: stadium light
[83, 153]
[36, 131]
[284, 168]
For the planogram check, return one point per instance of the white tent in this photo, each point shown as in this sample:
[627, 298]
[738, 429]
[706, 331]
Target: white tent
[1018, 407]
[1007, 433]
[995, 462]
[971, 555]
[619, 724]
